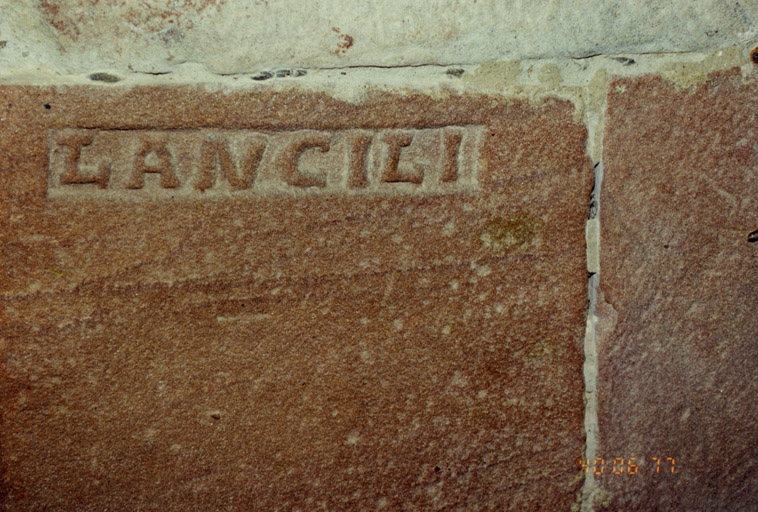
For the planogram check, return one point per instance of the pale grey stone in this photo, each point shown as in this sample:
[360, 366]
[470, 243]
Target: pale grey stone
[233, 36]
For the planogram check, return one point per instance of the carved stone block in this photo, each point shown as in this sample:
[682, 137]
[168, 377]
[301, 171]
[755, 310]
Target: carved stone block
[283, 301]
[679, 307]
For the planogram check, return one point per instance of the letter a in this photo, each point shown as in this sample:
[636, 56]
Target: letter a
[163, 167]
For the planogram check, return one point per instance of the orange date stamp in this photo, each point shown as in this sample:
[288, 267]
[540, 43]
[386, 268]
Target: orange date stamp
[628, 466]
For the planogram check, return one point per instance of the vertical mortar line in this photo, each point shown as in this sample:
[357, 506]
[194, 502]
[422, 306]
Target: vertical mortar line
[590, 346]
[594, 120]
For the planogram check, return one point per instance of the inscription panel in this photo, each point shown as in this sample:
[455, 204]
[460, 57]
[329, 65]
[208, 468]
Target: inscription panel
[212, 162]
[381, 306]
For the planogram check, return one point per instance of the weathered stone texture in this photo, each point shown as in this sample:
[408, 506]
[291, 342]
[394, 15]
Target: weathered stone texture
[678, 347]
[404, 347]
[233, 36]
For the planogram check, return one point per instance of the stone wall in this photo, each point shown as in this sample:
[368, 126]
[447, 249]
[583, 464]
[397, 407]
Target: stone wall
[431, 255]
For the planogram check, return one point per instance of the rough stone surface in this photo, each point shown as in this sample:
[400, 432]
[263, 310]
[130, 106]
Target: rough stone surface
[177, 335]
[233, 36]
[678, 347]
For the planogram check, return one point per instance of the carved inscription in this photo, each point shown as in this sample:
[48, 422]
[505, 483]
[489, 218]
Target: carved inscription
[211, 162]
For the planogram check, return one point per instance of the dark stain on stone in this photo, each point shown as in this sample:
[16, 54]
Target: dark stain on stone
[171, 35]
[104, 77]
[345, 42]
[263, 75]
[626, 61]
[88, 20]
[59, 21]
[754, 55]
[510, 233]
[454, 72]
[2, 44]
[542, 348]
[284, 73]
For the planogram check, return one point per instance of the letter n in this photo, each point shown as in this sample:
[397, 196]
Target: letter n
[238, 179]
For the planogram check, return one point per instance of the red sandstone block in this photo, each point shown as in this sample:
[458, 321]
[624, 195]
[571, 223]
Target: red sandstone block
[282, 301]
[678, 347]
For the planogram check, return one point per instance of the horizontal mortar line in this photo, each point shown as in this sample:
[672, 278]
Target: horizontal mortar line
[519, 59]
[640, 54]
[440, 65]
[307, 68]
[389, 67]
